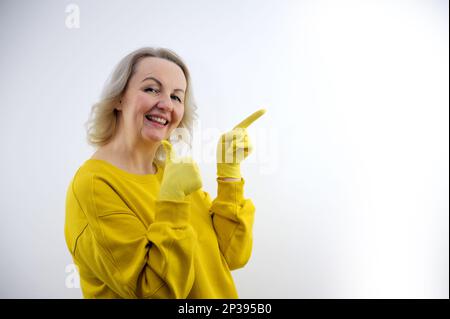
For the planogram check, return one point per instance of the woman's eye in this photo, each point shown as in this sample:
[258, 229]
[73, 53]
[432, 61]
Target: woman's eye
[176, 97]
[150, 90]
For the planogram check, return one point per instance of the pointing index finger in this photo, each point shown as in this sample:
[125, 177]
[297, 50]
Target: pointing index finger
[249, 120]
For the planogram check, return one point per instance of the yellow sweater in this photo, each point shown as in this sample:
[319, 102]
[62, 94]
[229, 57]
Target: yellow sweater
[128, 244]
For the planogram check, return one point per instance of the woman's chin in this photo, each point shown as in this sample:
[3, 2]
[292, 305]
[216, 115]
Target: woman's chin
[153, 136]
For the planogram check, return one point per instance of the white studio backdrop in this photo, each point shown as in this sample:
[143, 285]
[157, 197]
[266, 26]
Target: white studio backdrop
[350, 170]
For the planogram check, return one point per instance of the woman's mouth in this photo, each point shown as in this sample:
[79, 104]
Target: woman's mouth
[156, 120]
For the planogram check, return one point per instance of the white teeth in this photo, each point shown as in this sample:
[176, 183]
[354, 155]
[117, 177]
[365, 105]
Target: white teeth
[157, 119]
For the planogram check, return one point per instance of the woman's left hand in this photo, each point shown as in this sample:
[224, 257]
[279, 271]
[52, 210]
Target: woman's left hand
[233, 147]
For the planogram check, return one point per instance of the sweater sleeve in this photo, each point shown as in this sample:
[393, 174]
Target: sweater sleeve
[133, 260]
[233, 218]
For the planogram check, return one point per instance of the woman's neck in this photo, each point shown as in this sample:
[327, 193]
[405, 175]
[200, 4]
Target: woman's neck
[131, 157]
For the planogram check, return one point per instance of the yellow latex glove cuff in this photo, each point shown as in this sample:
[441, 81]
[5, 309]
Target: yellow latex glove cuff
[181, 176]
[234, 146]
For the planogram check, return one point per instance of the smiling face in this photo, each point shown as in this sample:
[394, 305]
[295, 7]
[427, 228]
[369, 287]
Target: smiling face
[153, 104]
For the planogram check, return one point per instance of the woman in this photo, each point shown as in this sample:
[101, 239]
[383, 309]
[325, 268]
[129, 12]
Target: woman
[138, 224]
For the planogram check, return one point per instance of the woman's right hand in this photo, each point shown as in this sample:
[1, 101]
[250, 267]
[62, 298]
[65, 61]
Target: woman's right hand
[181, 176]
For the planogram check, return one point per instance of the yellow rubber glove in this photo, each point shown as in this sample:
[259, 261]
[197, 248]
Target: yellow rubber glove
[181, 176]
[234, 146]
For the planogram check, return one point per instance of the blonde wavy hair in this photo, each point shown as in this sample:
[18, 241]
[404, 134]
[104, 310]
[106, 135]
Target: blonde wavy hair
[102, 122]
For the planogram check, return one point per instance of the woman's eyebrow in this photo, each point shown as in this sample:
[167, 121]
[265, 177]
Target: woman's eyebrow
[159, 82]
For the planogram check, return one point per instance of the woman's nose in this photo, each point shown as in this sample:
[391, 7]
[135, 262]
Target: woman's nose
[165, 103]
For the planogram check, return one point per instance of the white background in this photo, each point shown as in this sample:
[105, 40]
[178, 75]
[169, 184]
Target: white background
[350, 170]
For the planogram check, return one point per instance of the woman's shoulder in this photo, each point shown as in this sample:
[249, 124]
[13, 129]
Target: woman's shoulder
[98, 164]
[93, 186]
[91, 169]
[83, 178]
[88, 169]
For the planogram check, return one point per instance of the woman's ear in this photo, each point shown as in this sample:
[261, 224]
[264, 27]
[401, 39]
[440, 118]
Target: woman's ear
[119, 105]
